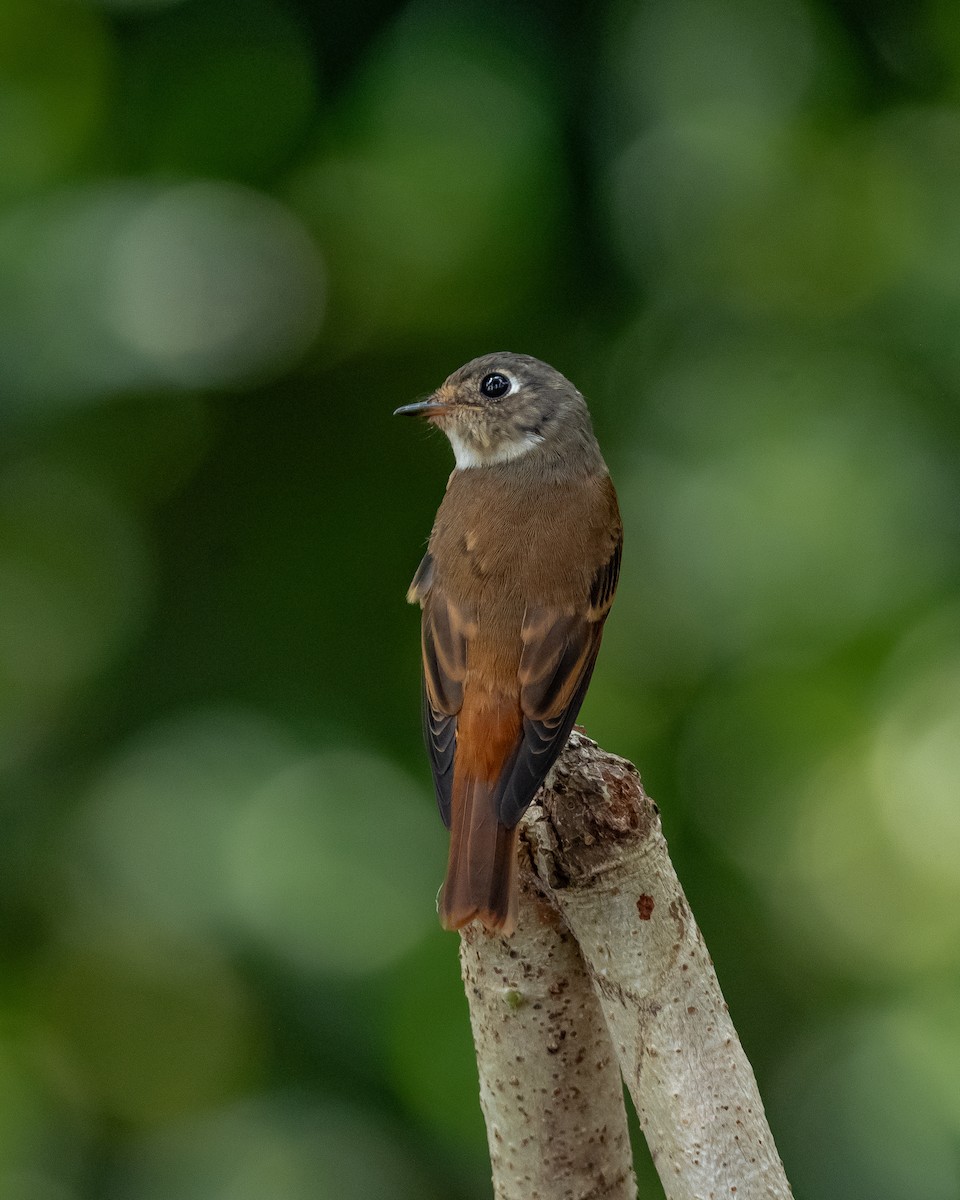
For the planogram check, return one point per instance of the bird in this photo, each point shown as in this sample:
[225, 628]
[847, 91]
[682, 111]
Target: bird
[518, 578]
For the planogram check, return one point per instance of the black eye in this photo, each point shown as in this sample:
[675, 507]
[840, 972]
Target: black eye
[495, 385]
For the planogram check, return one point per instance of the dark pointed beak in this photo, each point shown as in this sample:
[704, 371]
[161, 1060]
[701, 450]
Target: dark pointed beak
[423, 408]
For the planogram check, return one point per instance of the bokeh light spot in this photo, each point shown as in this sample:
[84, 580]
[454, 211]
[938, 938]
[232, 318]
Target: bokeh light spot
[428, 1045]
[336, 863]
[212, 283]
[915, 765]
[122, 286]
[29, 1119]
[74, 581]
[156, 1028]
[54, 73]
[282, 1146]
[151, 837]
[445, 152]
[783, 499]
[851, 1090]
[677, 56]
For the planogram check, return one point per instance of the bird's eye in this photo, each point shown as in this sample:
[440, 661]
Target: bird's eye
[494, 386]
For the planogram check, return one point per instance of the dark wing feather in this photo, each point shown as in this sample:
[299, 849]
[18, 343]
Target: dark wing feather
[422, 582]
[446, 630]
[559, 653]
[605, 582]
[440, 738]
[544, 736]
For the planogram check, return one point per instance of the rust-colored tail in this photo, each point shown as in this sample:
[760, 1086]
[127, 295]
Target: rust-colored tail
[482, 868]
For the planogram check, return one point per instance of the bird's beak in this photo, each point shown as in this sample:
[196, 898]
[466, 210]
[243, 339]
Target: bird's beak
[423, 408]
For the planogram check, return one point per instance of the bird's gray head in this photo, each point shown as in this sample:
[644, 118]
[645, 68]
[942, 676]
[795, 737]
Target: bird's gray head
[508, 406]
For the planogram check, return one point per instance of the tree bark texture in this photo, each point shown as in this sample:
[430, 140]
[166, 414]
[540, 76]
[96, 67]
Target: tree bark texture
[595, 854]
[550, 1084]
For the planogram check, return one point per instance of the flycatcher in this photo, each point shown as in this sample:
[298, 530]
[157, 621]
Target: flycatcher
[516, 584]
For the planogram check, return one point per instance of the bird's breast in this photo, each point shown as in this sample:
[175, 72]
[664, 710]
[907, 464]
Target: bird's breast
[506, 540]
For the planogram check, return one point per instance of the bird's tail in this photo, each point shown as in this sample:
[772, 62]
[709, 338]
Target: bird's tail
[482, 868]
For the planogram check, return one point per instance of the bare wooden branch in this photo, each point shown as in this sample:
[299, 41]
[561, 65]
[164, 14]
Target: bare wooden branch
[549, 1078]
[600, 857]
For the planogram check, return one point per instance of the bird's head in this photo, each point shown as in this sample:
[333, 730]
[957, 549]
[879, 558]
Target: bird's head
[505, 406]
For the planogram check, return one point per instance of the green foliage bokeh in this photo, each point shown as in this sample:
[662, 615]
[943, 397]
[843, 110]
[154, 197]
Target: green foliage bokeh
[233, 237]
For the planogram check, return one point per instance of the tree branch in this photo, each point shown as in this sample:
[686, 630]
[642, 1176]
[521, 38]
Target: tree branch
[597, 853]
[549, 1078]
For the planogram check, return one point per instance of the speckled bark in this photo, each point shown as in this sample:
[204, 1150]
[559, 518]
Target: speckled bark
[549, 1078]
[600, 856]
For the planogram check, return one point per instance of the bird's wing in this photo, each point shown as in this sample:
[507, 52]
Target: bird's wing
[559, 652]
[446, 631]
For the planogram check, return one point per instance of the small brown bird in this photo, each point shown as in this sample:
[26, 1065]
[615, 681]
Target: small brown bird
[515, 586]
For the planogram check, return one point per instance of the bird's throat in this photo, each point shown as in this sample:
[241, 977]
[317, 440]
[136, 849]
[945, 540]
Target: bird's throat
[469, 453]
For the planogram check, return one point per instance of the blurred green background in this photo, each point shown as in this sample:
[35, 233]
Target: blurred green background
[234, 235]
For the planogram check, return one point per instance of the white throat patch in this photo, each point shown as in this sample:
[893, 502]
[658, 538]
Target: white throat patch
[468, 455]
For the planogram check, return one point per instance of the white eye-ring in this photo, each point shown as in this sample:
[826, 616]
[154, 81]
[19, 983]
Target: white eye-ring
[498, 384]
